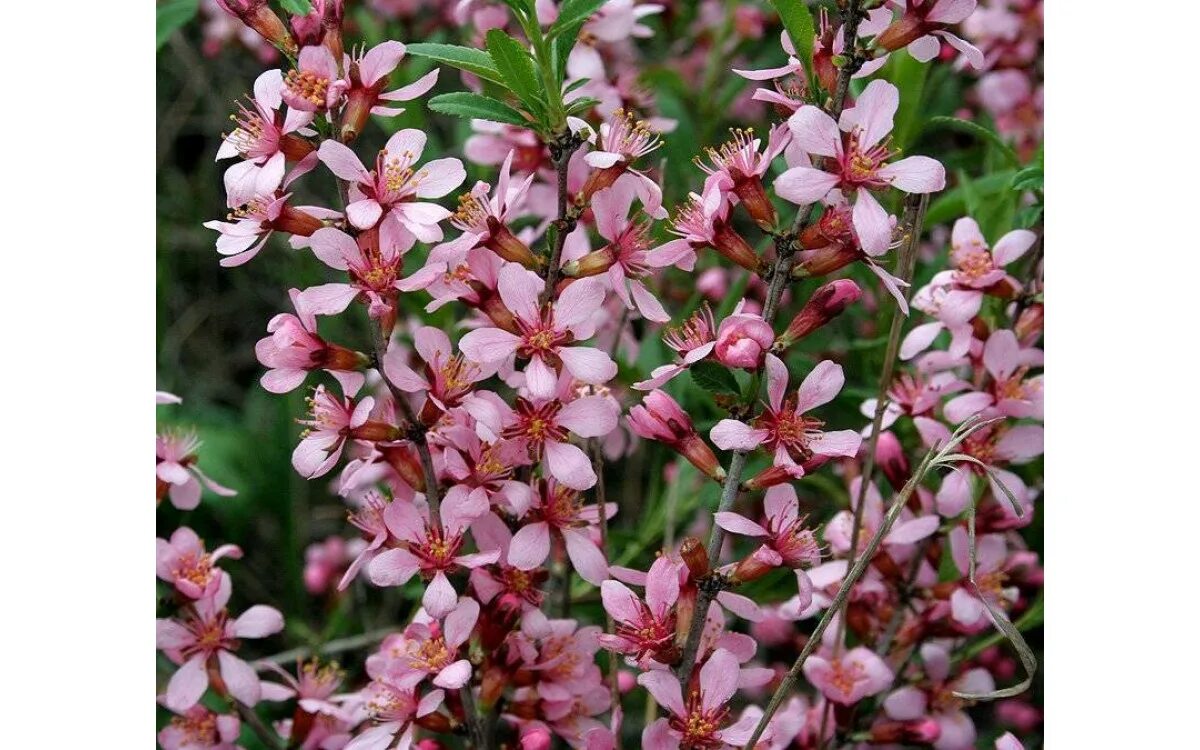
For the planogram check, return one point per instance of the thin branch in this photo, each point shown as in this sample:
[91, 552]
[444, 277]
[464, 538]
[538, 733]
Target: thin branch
[601, 503]
[560, 153]
[480, 739]
[264, 733]
[851, 15]
[338, 646]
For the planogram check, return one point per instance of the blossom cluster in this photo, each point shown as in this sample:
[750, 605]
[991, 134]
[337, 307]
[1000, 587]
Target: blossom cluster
[472, 457]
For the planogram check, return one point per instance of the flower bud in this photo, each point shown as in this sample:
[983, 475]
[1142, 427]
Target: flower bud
[659, 417]
[595, 262]
[406, 463]
[901, 33]
[749, 189]
[889, 455]
[823, 261]
[1029, 324]
[256, 15]
[602, 178]
[536, 739]
[294, 221]
[695, 557]
[743, 340]
[825, 304]
[376, 432]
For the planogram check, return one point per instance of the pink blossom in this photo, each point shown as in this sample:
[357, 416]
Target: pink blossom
[544, 334]
[314, 84]
[991, 575]
[183, 563]
[429, 648]
[909, 528]
[1010, 392]
[743, 340]
[431, 549]
[368, 77]
[369, 520]
[332, 421]
[646, 629]
[557, 511]
[700, 721]
[659, 417]
[920, 25]
[176, 470]
[953, 309]
[484, 219]
[197, 728]
[293, 349]
[736, 168]
[993, 447]
[782, 428]
[391, 711]
[392, 190]
[786, 540]
[692, 340]
[312, 686]
[621, 140]
[857, 154]
[447, 378]
[205, 637]
[848, 678]
[263, 131]
[934, 698]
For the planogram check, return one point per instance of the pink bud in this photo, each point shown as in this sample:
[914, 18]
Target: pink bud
[626, 681]
[536, 739]
[743, 341]
[660, 418]
[824, 305]
[889, 455]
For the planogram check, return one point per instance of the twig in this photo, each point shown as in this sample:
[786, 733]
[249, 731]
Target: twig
[480, 739]
[560, 153]
[264, 733]
[338, 646]
[851, 15]
[601, 503]
[893, 626]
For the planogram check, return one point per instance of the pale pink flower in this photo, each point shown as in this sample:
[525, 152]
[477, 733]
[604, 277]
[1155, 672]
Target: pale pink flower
[392, 191]
[921, 24]
[470, 461]
[1010, 392]
[913, 394]
[644, 629]
[847, 679]
[621, 141]
[183, 563]
[736, 168]
[909, 528]
[558, 511]
[743, 340]
[326, 431]
[934, 698]
[263, 131]
[991, 574]
[391, 711]
[208, 637]
[447, 378]
[368, 75]
[428, 648]
[431, 549]
[374, 263]
[197, 728]
[953, 309]
[700, 720]
[483, 218]
[857, 162]
[786, 539]
[992, 446]
[978, 267]
[782, 428]
[312, 686]
[369, 520]
[176, 470]
[1008, 741]
[692, 340]
[314, 84]
[544, 332]
[541, 428]
[293, 349]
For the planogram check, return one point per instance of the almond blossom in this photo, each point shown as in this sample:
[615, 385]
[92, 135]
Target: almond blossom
[701, 719]
[557, 512]
[182, 562]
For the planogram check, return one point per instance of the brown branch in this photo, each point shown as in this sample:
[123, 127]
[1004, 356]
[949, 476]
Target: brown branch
[263, 732]
[560, 153]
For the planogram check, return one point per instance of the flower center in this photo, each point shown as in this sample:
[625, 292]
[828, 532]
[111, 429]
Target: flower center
[307, 85]
[431, 655]
[699, 727]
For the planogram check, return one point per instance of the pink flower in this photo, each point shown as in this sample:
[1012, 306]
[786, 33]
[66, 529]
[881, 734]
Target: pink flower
[703, 222]
[1010, 392]
[920, 25]
[448, 377]
[311, 686]
[183, 563]
[935, 699]
[954, 310]
[431, 549]
[782, 428]
[698, 722]
[369, 520]
[848, 678]
[914, 394]
[541, 428]
[644, 630]
[544, 334]
[294, 349]
[314, 84]
[374, 263]
[736, 168]
[558, 511]
[693, 340]
[391, 711]
[177, 472]
[368, 77]
[627, 257]
[857, 154]
[659, 417]
[743, 340]
[207, 634]
[908, 529]
[484, 220]
[622, 140]
[787, 541]
[328, 427]
[263, 131]
[977, 267]
[992, 446]
[197, 728]
[1008, 741]
[391, 191]
[428, 648]
[991, 574]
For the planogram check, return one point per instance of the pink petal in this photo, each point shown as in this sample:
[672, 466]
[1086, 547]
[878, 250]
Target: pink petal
[905, 704]
[619, 601]
[439, 596]
[540, 378]
[907, 532]
[665, 688]
[820, 386]
[777, 381]
[925, 48]
[365, 213]
[392, 568]
[588, 365]
[871, 223]
[814, 131]
[836, 443]
[380, 61]
[590, 416]
[578, 302]
[441, 176]
[919, 339]
[730, 434]
[718, 679]
[187, 684]
[519, 290]
[959, 408]
[259, 621]
[1001, 354]
[530, 546]
[587, 558]
[240, 678]
[342, 161]
[873, 112]
[454, 676]
[333, 247]
[487, 345]
[738, 524]
[662, 585]
[1012, 246]
[804, 185]
[915, 174]
[569, 465]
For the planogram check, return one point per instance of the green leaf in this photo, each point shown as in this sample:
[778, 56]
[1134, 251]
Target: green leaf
[464, 58]
[299, 7]
[571, 13]
[466, 104]
[1028, 216]
[582, 104]
[1029, 178]
[714, 378]
[516, 66]
[979, 131]
[798, 21]
[170, 16]
[952, 204]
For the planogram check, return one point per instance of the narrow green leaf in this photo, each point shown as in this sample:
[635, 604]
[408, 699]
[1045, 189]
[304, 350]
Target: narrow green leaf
[798, 21]
[464, 58]
[573, 12]
[170, 16]
[299, 7]
[466, 104]
[582, 104]
[516, 66]
[1029, 178]
[979, 131]
[714, 378]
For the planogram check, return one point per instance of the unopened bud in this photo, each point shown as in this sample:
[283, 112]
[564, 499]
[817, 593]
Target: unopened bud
[695, 557]
[406, 463]
[505, 244]
[825, 304]
[595, 262]
[659, 417]
[901, 33]
[923, 731]
[1029, 324]
[823, 261]
[256, 15]
[601, 179]
[294, 221]
[376, 432]
[750, 190]
[889, 455]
